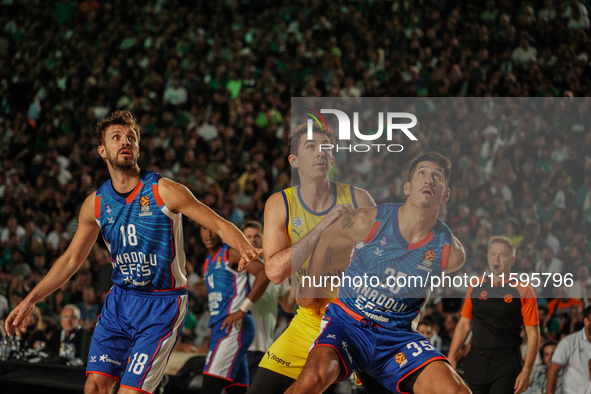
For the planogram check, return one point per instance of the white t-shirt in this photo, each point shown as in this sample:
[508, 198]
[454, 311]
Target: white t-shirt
[573, 353]
[264, 313]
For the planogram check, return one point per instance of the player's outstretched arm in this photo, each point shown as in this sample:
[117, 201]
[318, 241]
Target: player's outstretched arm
[281, 258]
[180, 199]
[533, 344]
[62, 270]
[457, 255]
[259, 286]
[460, 334]
[346, 232]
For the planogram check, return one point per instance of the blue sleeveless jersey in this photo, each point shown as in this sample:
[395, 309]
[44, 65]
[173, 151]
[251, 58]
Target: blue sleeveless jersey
[144, 238]
[388, 280]
[226, 287]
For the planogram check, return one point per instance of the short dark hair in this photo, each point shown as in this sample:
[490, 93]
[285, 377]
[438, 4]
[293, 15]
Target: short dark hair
[434, 157]
[253, 224]
[124, 118]
[294, 139]
[549, 343]
[587, 313]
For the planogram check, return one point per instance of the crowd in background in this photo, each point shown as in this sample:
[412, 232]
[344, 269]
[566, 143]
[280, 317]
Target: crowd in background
[211, 82]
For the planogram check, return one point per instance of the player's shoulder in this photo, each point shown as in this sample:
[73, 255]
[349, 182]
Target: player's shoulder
[278, 199]
[442, 227]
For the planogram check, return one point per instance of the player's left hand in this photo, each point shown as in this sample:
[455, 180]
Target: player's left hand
[247, 256]
[521, 383]
[234, 319]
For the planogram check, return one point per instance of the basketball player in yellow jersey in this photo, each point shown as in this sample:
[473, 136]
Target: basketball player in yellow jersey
[294, 220]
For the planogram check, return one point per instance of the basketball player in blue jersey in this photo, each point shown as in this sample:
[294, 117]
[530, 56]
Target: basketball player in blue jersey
[231, 323]
[370, 327]
[139, 215]
[294, 219]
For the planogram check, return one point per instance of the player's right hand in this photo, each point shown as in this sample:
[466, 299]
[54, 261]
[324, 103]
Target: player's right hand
[247, 256]
[15, 322]
[335, 214]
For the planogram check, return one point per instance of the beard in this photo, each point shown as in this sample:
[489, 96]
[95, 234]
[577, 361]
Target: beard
[125, 164]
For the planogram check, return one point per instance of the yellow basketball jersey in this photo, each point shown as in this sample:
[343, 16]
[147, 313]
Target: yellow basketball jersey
[301, 219]
[288, 355]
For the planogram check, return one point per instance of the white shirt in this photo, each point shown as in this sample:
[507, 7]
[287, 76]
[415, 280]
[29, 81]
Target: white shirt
[264, 314]
[573, 353]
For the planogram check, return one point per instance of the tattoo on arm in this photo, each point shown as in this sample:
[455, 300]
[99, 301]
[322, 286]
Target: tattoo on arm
[349, 220]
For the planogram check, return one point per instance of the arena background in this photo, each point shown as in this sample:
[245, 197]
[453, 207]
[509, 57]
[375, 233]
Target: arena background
[211, 85]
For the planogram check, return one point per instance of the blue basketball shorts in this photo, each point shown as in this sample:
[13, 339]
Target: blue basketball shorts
[226, 358]
[135, 335]
[386, 355]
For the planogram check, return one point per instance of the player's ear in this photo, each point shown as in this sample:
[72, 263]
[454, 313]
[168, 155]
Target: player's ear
[293, 160]
[406, 188]
[102, 152]
[446, 195]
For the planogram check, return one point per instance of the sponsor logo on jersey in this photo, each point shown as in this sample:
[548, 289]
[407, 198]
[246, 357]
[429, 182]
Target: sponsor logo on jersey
[273, 357]
[105, 359]
[508, 298]
[93, 359]
[331, 336]
[383, 241]
[346, 349]
[297, 222]
[483, 295]
[401, 359]
[111, 220]
[218, 262]
[108, 209]
[379, 252]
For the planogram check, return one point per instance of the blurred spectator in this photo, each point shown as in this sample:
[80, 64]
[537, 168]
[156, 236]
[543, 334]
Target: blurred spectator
[572, 354]
[71, 333]
[89, 309]
[539, 376]
[34, 336]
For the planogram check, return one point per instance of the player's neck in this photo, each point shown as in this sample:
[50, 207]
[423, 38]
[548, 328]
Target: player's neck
[317, 195]
[415, 223]
[124, 182]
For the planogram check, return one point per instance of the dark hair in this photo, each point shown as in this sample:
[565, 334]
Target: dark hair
[124, 118]
[587, 313]
[294, 139]
[253, 224]
[434, 157]
[426, 323]
[549, 343]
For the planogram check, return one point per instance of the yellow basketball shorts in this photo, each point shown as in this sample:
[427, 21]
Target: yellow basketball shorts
[289, 353]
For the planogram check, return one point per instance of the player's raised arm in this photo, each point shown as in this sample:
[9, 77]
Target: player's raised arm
[180, 199]
[62, 270]
[457, 255]
[281, 257]
[346, 232]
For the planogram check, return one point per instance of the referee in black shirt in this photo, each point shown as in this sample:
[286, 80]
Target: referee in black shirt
[495, 313]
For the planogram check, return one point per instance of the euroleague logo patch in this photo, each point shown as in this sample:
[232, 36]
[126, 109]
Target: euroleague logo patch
[427, 261]
[145, 206]
[508, 298]
[401, 359]
[483, 295]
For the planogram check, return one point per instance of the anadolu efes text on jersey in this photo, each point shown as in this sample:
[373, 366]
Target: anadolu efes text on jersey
[226, 288]
[388, 279]
[144, 238]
